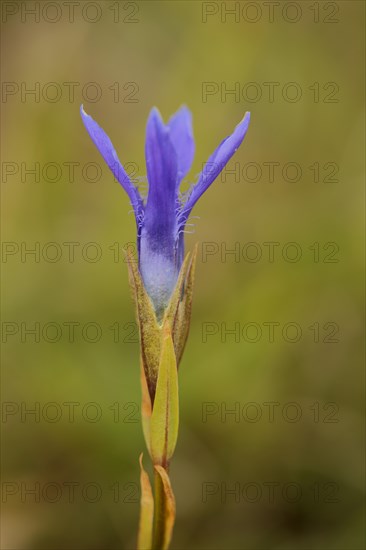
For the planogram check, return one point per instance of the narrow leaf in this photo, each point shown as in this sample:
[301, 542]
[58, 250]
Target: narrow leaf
[145, 533]
[169, 507]
[165, 414]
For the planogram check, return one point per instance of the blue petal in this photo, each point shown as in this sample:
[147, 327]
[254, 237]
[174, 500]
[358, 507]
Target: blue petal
[181, 134]
[161, 164]
[106, 149]
[158, 251]
[215, 164]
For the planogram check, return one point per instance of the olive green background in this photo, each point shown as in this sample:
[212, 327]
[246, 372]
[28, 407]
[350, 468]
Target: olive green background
[311, 451]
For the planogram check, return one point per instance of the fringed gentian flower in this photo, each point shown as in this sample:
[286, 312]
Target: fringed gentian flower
[169, 152]
[162, 286]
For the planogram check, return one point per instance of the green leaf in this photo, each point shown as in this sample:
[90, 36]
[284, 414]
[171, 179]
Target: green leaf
[165, 414]
[145, 533]
[163, 538]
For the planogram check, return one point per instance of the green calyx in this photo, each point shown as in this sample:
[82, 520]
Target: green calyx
[177, 316]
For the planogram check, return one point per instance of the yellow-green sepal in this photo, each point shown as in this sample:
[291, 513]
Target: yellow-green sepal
[149, 328]
[177, 315]
[146, 408]
[183, 306]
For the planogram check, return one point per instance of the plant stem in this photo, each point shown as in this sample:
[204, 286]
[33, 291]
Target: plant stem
[159, 513]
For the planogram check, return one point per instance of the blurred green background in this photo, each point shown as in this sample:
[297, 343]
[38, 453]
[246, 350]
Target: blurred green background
[311, 450]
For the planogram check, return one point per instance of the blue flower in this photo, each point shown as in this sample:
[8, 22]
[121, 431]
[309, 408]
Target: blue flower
[161, 219]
